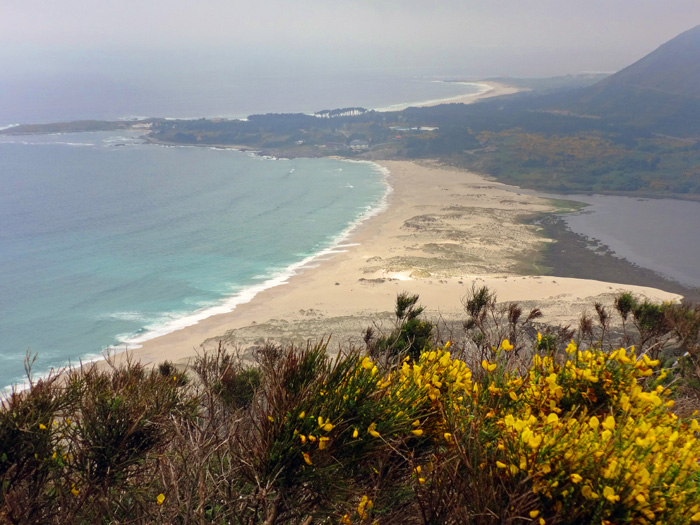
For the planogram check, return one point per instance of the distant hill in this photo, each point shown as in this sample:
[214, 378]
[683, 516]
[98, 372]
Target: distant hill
[543, 85]
[660, 92]
[673, 69]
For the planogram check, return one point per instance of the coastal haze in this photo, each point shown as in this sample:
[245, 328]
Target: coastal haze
[78, 59]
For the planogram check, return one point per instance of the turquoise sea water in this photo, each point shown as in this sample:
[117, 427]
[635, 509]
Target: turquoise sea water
[105, 241]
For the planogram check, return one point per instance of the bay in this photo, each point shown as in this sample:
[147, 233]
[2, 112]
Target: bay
[105, 241]
[84, 95]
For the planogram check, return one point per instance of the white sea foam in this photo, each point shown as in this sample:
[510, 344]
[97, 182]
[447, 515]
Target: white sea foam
[19, 386]
[8, 126]
[119, 138]
[122, 316]
[60, 143]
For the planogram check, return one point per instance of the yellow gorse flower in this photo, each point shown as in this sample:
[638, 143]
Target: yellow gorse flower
[609, 494]
[326, 424]
[609, 423]
[365, 504]
[489, 367]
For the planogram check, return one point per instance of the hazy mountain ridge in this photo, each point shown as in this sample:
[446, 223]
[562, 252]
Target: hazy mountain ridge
[672, 69]
[661, 91]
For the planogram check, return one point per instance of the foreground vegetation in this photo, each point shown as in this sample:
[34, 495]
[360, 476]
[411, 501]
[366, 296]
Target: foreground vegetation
[512, 422]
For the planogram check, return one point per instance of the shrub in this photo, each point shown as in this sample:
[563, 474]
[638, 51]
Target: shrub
[527, 434]
[410, 336]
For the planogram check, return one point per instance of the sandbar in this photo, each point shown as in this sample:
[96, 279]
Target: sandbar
[488, 89]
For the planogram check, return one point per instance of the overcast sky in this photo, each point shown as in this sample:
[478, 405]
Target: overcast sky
[478, 37]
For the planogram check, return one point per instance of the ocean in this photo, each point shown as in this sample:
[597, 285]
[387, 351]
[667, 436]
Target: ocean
[60, 99]
[106, 242]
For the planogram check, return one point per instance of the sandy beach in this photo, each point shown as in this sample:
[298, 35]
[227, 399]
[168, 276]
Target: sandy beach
[488, 89]
[444, 230]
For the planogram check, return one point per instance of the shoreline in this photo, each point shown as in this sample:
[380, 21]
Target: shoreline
[443, 231]
[228, 304]
[335, 319]
[488, 88]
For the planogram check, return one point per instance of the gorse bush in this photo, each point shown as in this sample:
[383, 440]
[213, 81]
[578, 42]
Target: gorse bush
[410, 336]
[506, 434]
[85, 447]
